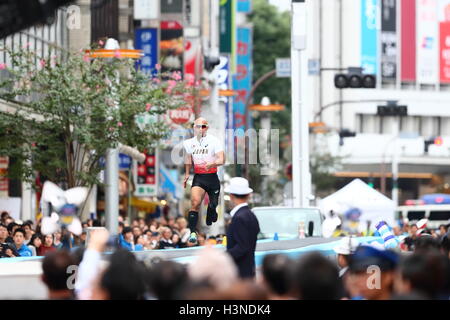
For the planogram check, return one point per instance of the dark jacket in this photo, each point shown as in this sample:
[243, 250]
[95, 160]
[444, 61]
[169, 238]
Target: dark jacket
[242, 234]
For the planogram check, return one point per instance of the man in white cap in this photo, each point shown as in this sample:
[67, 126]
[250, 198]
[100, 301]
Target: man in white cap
[206, 153]
[345, 248]
[243, 230]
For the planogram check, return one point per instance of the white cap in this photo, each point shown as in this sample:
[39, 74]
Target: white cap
[346, 246]
[238, 186]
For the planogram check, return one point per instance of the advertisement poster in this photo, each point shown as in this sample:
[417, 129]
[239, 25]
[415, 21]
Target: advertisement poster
[427, 41]
[388, 39]
[171, 47]
[408, 41]
[369, 35]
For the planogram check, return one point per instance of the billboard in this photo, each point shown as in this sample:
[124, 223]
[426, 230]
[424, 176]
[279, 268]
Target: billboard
[444, 43]
[242, 79]
[146, 39]
[369, 35]
[408, 41]
[427, 41]
[388, 38]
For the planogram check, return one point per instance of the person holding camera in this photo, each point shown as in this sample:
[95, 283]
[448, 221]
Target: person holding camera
[19, 245]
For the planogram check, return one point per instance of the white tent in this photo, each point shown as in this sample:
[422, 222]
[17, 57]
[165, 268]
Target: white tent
[357, 194]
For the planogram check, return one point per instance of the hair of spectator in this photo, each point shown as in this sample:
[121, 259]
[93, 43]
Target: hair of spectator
[54, 269]
[276, 270]
[19, 230]
[123, 278]
[316, 278]
[167, 280]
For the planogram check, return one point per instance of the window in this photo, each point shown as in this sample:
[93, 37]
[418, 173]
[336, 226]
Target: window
[416, 215]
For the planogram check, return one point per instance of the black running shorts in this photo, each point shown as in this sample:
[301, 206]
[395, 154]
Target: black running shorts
[210, 183]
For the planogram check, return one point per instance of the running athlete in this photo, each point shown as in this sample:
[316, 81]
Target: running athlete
[206, 153]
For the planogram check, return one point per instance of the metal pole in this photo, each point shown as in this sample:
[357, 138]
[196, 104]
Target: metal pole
[112, 173]
[301, 177]
[112, 190]
[396, 129]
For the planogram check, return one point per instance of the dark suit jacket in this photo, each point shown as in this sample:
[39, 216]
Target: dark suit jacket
[242, 234]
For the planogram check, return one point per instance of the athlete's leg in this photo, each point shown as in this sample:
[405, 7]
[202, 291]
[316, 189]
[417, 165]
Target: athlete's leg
[213, 194]
[197, 195]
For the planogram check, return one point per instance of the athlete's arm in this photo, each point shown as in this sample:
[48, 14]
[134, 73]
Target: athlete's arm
[187, 167]
[220, 160]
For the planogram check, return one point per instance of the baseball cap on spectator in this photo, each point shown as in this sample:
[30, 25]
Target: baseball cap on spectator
[369, 255]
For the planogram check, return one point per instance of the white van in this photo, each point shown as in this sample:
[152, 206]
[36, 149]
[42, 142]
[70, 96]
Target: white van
[436, 214]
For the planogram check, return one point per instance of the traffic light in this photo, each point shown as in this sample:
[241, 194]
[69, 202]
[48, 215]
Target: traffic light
[211, 63]
[392, 109]
[345, 133]
[435, 140]
[354, 78]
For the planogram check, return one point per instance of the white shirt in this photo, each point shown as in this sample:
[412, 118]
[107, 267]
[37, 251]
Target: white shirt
[203, 151]
[235, 209]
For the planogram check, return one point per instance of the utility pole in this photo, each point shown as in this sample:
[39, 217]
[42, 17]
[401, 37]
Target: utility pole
[301, 176]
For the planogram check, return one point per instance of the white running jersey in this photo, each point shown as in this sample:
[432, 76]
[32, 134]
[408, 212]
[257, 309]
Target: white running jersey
[202, 152]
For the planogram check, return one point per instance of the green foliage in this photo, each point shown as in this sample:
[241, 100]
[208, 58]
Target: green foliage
[271, 40]
[67, 110]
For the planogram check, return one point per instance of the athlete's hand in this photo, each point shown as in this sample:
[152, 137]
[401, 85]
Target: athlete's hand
[186, 178]
[209, 165]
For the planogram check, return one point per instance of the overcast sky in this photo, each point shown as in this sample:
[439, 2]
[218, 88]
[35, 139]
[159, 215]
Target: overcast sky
[282, 5]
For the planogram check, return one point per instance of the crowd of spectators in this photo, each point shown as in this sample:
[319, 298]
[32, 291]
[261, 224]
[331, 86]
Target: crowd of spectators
[360, 271]
[24, 239]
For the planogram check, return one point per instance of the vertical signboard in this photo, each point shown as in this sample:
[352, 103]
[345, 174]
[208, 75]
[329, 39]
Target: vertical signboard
[4, 189]
[244, 6]
[171, 47]
[147, 41]
[146, 183]
[226, 25]
[408, 41]
[388, 39]
[223, 81]
[427, 41]
[444, 43]
[369, 35]
[242, 79]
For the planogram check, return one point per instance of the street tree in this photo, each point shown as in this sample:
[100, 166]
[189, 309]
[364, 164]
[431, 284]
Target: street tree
[67, 110]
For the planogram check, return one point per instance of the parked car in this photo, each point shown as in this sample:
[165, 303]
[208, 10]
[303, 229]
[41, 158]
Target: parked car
[288, 222]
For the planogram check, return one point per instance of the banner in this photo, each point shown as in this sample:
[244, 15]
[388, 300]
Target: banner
[427, 41]
[408, 41]
[388, 40]
[171, 47]
[147, 41]
[369, 35]
[242, 79]
[4, 182]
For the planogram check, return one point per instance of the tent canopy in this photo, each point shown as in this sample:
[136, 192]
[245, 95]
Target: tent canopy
[374, 206]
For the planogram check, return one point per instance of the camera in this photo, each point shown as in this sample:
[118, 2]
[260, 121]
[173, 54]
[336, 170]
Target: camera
[5, 246]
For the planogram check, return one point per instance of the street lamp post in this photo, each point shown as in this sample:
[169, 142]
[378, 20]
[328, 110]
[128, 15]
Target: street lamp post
[301, 176]
[111, 50]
